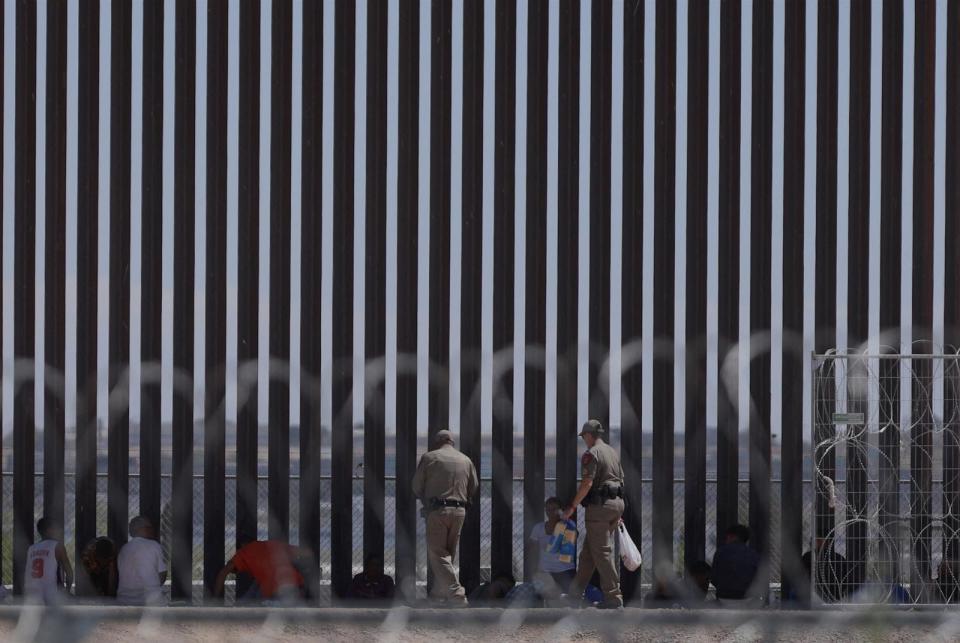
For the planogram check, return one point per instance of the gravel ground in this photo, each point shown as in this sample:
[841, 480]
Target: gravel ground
[253, 625]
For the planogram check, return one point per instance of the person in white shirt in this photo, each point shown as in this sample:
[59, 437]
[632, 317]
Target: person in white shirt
[141, 567]
[48, 575]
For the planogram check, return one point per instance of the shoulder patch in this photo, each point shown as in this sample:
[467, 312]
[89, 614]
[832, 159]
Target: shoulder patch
[586, 459]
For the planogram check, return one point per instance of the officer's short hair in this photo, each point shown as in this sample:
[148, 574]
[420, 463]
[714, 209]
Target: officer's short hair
[442, 437]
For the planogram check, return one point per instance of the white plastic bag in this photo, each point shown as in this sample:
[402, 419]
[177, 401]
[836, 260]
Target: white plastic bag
[628, 550]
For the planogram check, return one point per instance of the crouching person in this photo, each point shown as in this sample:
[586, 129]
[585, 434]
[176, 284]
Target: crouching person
[273, 566]
[372, 584]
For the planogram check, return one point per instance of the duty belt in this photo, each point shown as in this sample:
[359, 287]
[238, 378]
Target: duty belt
[598, 496]
[446, 502]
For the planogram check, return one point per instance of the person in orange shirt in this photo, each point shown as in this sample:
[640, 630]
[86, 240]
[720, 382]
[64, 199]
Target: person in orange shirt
[273, 566]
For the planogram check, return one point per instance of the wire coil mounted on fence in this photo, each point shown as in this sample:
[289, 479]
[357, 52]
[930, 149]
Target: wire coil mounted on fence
[886, 436]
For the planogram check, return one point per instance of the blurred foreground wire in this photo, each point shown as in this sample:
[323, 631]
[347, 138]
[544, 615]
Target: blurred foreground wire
[403, 623]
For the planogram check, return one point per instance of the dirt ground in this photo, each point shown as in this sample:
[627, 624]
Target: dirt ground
[244, 625]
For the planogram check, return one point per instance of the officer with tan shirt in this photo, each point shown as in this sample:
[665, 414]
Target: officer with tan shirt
[601, 492]
[445, 483]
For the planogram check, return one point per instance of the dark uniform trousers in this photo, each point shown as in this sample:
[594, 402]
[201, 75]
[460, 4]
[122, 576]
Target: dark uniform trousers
[598, 550]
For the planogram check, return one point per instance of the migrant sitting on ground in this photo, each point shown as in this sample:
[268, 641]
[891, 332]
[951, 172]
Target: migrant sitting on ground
[735, 564]
[48, 576]
[553, 545]
[99, 566]
[372, 583]
[141, 567]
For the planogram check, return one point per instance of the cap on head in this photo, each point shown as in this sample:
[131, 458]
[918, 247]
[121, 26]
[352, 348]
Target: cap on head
[442, 437]
[593, 427]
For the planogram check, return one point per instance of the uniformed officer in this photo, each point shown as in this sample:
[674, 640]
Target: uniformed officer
[601, 492]
[445, 483]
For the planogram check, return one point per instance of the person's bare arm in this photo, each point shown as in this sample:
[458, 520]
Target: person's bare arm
[585, 485]
[222, 578]
[61, 553]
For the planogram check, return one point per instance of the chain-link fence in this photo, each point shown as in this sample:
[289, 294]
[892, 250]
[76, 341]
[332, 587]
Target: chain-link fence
[645, 539]
[886, 432]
